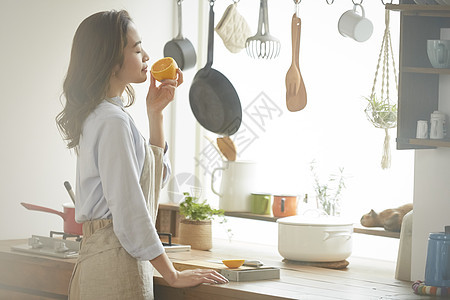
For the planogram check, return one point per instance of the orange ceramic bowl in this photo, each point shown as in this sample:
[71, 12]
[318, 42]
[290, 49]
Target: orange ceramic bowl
[233, 263]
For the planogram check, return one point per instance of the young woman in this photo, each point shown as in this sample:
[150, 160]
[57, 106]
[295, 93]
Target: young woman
[119, 175]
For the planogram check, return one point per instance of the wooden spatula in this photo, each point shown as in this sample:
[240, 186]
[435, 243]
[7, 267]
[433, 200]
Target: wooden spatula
[295, 87]
[227, 147]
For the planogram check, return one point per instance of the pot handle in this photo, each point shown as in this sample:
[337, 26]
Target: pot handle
[334, 234]
[44, 209]
[212, 181]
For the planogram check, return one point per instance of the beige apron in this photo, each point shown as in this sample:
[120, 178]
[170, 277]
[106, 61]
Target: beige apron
[104, 270]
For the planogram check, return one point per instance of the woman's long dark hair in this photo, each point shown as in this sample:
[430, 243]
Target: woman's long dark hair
[97, 48]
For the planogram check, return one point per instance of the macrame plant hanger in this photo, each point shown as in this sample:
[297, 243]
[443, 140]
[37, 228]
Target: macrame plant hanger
[380, 112]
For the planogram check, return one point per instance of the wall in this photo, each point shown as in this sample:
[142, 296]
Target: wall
[35, 49]
[431, 191]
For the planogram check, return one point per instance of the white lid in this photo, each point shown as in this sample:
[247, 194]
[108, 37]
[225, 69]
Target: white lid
[314, 221]
[69, 205]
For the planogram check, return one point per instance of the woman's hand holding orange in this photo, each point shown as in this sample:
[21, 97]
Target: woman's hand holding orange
[159, 97]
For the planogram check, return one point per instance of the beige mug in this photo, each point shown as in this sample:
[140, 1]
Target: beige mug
[354, 25]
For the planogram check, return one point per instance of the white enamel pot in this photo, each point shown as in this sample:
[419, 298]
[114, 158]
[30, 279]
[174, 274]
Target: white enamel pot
[320, 239]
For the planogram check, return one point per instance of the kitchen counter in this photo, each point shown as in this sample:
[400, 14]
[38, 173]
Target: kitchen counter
[27, 276]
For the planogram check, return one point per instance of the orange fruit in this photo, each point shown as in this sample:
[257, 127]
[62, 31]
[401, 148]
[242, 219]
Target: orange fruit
[165, 68]
[233, 263]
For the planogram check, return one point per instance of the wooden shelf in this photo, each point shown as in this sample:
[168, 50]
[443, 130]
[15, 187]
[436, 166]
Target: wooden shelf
[421, 10]
[430, 143]
[356, 227]
[246, 215]
[268, 218]
[425, 70]
[375, 231]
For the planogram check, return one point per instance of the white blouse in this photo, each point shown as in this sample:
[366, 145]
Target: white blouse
[109, 164]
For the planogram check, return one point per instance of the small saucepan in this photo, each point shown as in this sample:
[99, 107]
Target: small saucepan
[70, 225]
[180, 48]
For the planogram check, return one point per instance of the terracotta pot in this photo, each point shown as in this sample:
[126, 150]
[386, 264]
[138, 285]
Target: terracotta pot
[198, 234]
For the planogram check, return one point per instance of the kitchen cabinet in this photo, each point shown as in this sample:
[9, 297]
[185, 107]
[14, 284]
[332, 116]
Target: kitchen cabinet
[418, 80]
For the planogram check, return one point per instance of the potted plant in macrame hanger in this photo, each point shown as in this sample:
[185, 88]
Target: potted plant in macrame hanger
[380, 111]
[195, 227]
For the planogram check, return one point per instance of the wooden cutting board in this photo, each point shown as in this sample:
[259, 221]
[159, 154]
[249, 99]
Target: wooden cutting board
[242, 273]
[337, 265]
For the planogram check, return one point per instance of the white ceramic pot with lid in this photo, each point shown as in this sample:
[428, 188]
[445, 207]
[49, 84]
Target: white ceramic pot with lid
[314, 239]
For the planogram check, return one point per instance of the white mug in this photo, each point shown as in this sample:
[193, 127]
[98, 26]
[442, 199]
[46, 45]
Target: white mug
[354, 25]
[422, 129]
[437, 125]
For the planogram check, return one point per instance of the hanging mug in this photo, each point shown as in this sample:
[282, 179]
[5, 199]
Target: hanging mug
[354, 25]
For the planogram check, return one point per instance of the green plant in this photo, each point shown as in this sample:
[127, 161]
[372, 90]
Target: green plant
[327, 196]
[380, 112]
[194, 210]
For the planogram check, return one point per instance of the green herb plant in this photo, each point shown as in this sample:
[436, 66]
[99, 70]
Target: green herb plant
[328, 195]
[194, 210]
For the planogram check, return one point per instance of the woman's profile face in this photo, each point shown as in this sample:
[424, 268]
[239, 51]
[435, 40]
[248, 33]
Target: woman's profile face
[134, 67]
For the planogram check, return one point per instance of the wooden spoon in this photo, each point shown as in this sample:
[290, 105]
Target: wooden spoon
[227, 147]
[215, 147]
[295, 87]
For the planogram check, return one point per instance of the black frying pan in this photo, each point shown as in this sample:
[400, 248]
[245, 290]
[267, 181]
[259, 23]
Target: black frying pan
[213, 99]
[180, 48]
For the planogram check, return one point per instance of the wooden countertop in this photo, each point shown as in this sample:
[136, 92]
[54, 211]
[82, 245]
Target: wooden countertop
[363, 279]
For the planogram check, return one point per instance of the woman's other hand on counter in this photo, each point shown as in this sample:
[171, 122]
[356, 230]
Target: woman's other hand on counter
[188, 278]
